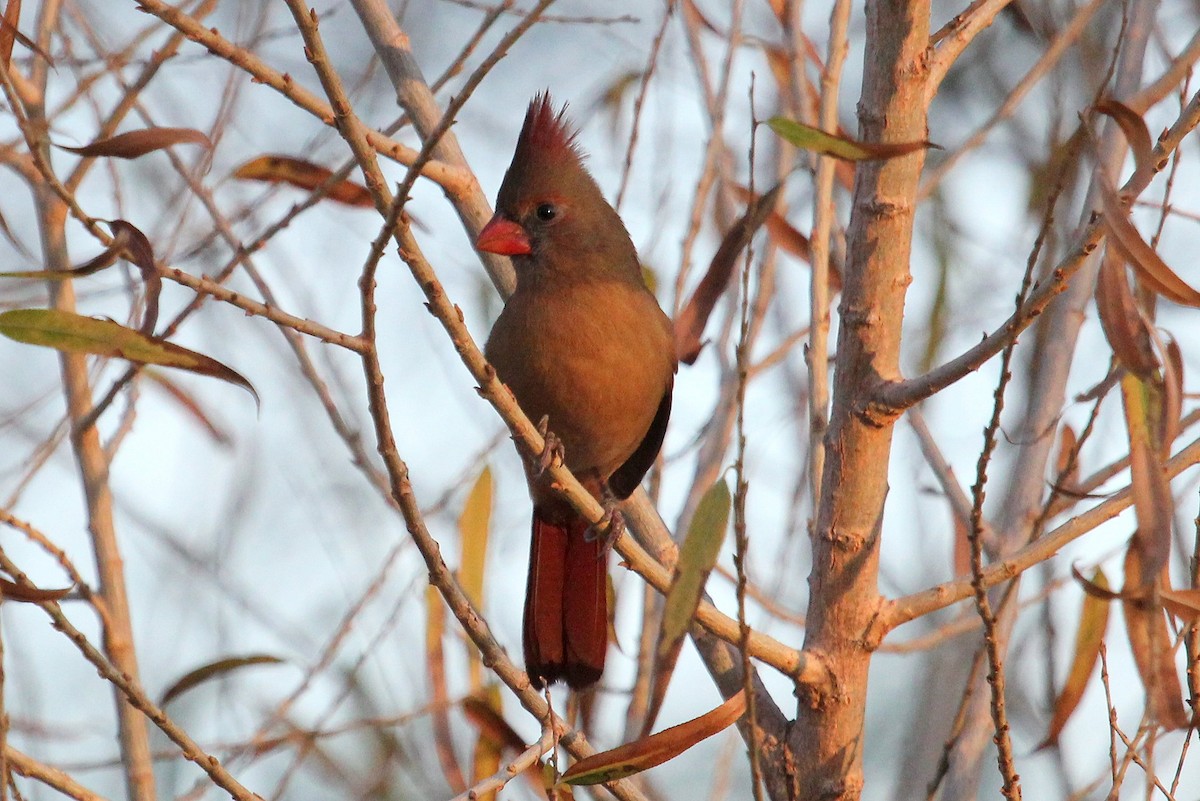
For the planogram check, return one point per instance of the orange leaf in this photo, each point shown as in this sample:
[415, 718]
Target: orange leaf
[656, 749]
[305, 175]
[139, 143]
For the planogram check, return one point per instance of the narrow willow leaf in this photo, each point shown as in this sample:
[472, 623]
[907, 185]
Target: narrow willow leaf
[1093, 622]
[1067, 469]
[212, 670]
[807, 137]
[473, 525]
[1183, 604]
[656, 749]
[1124, 326]
[191, 405]
[1102, 593]
[9, 34]
[132, 242]
[1150, 642]
[305, 175]
[138, 143]
[74, 333]
[1148, 265]
[1152, 501]
[435, 670]
[693, 317]
[8, 30]
[488, 750]
[11, 591]
[697, 556]
[1135, 130]
[485, 715]
[1172, 395]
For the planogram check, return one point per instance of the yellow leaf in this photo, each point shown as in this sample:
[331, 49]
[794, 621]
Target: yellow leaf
[1093, 622]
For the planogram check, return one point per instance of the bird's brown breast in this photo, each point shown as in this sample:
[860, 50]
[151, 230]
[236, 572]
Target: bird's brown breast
[596, 356]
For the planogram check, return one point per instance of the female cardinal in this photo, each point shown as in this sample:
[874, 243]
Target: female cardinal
[585, 348]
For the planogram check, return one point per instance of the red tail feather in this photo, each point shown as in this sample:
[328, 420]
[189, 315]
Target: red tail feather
[566, 603]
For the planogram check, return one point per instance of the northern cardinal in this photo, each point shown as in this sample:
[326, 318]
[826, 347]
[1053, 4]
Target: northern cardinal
[584, 347]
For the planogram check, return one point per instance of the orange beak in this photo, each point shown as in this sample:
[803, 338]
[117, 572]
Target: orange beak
[505, 237]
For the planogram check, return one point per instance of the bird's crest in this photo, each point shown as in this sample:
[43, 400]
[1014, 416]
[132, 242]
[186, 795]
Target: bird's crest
[546, 134]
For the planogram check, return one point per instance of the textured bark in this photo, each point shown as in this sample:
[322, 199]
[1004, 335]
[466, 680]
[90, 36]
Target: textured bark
[828, 739]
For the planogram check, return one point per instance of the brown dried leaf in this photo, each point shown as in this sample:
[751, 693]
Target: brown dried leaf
[1151, 645]
[138, 143]
[305, 175]
[656, 749]
[190, 405]
[1183, 604]
[212, 670]
[1095, 590]
[1148, 265]
[26, 593]
[10, 34]
[8, 30]
[129, 240]
[689, 325]
[1067, 470]
[487, 719]
[1124, 326]
[784, 235]
[1172, 395]
[1135, 130]
[962, 546]
[486, 759]
[1093, 622]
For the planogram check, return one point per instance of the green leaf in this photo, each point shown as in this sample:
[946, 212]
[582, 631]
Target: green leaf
[807, 137]
[74, 333]
[697, 557]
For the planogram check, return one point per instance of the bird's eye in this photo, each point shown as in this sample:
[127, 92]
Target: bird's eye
[546, 212]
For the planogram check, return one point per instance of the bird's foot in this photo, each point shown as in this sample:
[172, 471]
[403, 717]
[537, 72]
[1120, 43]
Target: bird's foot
[552, 449]
[607, 529]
